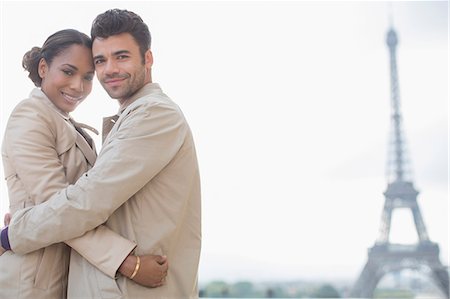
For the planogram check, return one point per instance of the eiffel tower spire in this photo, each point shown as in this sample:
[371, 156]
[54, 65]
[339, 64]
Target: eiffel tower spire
[398, 165]
[385, 257]
[397, 159]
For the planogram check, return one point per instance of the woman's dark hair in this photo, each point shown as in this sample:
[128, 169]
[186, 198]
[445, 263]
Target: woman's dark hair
[53, 46]
[117, 21]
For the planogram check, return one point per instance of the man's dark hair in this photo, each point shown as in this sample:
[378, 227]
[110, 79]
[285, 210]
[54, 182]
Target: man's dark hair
[117, 21]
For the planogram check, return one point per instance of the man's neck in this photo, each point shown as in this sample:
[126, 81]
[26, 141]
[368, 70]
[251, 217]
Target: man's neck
[124, 103]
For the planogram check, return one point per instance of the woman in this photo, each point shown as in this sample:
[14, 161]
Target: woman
[43, 151]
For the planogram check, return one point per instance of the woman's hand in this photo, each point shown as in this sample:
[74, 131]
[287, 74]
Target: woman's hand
[6, 221]
[152, 269]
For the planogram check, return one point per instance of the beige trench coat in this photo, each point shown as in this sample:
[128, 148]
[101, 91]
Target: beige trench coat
[43, 153]
[145, 184]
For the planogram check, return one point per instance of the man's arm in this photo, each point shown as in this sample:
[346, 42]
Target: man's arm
[103, 248]
[97, 249]
[147, 140]
[150, 271]
[33, 162]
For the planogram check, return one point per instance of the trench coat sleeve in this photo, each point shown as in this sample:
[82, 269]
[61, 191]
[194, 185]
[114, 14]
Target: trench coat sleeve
[145, 142]
[103, 248]
[30, 144]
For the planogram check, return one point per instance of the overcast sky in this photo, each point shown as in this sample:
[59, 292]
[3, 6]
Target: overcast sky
[289, 106]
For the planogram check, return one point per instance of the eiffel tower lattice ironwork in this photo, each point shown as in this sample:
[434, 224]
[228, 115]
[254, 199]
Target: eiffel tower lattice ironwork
[385, 257]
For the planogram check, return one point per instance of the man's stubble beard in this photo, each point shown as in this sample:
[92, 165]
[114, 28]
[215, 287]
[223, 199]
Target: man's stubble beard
[133, 85]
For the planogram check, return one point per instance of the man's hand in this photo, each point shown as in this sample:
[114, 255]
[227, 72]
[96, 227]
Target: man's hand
[152, 271]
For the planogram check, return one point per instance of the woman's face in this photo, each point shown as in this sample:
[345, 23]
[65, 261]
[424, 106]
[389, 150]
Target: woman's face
[68, 80]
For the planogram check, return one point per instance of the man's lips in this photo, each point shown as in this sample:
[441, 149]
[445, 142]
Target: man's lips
[114, 81]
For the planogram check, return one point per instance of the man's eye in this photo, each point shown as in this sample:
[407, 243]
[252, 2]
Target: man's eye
[98, 61]
[68, 73]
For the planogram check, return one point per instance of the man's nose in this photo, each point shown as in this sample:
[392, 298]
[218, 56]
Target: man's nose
[111, 67]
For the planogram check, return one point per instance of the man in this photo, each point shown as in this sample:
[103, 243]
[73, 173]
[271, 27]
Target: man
[145, 184]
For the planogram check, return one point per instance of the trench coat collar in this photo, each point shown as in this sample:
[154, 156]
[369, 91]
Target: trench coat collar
[38, 93]
[110, 121]
[83, 145]
[147, 89]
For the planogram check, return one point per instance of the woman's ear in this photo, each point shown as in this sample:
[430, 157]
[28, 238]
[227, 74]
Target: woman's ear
[42, 68]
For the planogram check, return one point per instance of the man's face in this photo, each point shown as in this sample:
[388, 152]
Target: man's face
[119, 65]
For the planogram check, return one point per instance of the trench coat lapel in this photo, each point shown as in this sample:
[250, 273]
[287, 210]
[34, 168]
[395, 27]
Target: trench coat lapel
[84, 141]
[108, 124]
[85, 148]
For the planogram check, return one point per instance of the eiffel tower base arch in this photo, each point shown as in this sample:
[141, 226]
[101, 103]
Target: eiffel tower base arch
[386, 258]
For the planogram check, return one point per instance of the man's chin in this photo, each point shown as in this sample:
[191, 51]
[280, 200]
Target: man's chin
[114, 94]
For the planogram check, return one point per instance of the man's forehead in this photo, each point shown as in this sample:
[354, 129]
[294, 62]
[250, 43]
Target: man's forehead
[114, 43]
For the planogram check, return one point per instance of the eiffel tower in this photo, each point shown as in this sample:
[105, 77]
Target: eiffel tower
[385, 257]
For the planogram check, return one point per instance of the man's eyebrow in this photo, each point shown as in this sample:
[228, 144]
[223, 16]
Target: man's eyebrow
[120, 52]
[117, 53]
[98, 56]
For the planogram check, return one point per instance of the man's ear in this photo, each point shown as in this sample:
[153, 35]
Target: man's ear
[148, 58]
[42, 68]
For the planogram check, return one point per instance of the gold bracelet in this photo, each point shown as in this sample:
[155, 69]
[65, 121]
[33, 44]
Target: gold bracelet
[136, 269]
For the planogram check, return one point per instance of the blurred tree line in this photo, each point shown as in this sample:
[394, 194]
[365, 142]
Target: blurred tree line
[245, 289]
